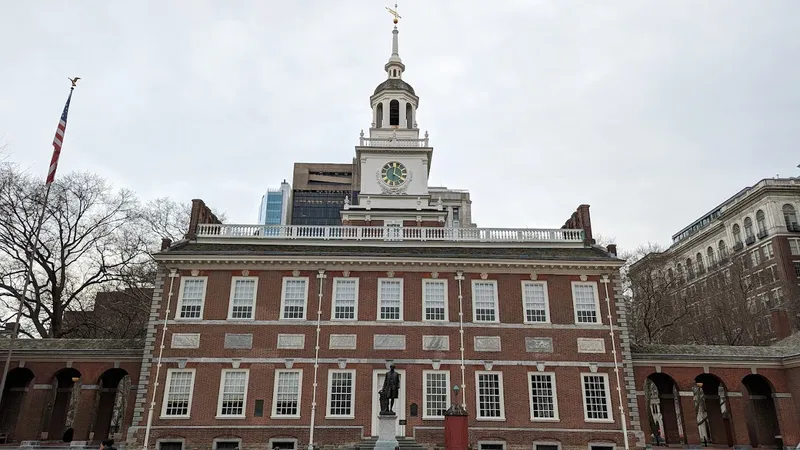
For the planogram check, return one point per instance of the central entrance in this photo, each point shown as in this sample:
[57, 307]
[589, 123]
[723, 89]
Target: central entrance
[378, 375]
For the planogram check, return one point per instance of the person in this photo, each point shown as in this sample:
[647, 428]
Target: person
[391, 386]
[107, 444]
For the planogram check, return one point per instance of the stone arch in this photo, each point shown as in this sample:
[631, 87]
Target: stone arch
[394, 112]
[110, 405]
[664, 409]
[409, 116]
[713, 410]
[59, 411]
[18, 383]
[760, 413]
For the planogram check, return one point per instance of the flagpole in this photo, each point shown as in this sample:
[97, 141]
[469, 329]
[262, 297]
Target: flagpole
[51, 173]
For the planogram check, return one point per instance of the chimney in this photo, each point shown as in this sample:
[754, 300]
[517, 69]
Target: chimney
[165, 243]
[780, 323]
[612, 249]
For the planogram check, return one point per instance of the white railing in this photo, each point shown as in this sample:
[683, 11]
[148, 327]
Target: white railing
[393, 142]
[388, 233]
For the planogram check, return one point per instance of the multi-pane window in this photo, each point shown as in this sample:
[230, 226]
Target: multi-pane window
[243, 297]
[341, 389]
[797, 269]
[434, 299]
[193, 292]
[178, 394]
[544, 405]
[345, 298]
[534, 298]
[596, 399]
[437, 394]
[295, 293]
[755, 257]
[489, 394]
[286, 396]
[390, 299]
[232, 393]
[586, 304]
[768, 252]
[484, 301]
[794, 246]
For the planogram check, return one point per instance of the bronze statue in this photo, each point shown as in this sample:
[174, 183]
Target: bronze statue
[388, 394]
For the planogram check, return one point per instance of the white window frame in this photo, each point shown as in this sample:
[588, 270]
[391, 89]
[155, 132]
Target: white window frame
[425, 373]
[283, 298]
[496, 302]
[180, 298]
[333, 298]
[796, 243]
[402, 299]
[768, 251]
[272, 441]
[478, 396]
[553, 443]
[426, 281]
[492, 442]
[222, 390]
[168, 385]
[555, 417]
[224, 439]
[610, 407]
[546, 302]
[181, 441]
[274, 414]
[352, 415]
[233, 291]
[599, 316]
[602, 444]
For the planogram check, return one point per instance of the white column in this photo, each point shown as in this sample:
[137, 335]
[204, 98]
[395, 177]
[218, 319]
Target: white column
[402, 123]
[386, 113]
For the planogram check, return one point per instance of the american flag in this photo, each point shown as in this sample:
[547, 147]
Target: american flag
[62, 128]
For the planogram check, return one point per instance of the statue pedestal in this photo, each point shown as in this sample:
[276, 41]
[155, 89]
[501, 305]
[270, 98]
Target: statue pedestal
[387, 432]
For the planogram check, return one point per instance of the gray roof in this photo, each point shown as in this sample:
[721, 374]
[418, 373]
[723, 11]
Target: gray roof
[72, 345]
[781, 349]
[511, 253]
[394, 84]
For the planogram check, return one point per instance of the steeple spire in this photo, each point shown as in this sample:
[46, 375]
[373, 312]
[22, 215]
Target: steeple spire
[395, 65]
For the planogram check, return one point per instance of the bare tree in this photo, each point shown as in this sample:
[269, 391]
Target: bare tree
[90, 239]
[656, 306]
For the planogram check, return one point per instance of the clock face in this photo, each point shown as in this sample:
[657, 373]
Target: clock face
[394, 174]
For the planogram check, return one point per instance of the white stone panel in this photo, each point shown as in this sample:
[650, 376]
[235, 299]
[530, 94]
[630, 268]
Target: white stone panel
[342, 342]
[185, 340]
[591, 345]
[238, 340]
[389, 342]
[292, 341]
[436, 343]
[538, 345]
[487, 343]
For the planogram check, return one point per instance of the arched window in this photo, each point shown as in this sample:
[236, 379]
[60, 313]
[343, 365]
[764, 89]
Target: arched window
[670, 275]
[680, 272]
[700, 266]
[379, 115]
[409, 116]
[737, 234]
[748, 228]
[689, 268]
[710, 256]
[394, 112]
[790, 217]
[761, 223]
[723, 250]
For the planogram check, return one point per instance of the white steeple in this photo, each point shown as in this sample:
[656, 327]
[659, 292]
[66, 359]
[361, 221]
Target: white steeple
[395, 66]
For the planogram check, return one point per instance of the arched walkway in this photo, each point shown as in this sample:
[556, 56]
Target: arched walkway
[713, 411]
[59, 413]
[663, 402]
[17, 385]
[110, 404]
[760, 414]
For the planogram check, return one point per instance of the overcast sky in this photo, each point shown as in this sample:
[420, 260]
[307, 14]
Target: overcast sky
[652, 112]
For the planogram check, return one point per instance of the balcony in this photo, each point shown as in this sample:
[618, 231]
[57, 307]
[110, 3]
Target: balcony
[393, 142]
[750, 240]
[738, 246]
[762, 234]
[794, 227]
[388, 233]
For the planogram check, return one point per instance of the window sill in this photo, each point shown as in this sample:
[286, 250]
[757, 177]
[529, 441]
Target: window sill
[284, 417]
[293, 319]
[491, 419]
[175, 417]
[598, 420]
[546, 322]
[241, 319]
[340, 417]
[432, 417]
[485, 321]
[389, 320]
[230, 417]
[537, 419]
[188, 319]
[354, 319]
[435, 321]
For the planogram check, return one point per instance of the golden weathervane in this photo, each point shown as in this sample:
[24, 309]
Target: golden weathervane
[393, 12]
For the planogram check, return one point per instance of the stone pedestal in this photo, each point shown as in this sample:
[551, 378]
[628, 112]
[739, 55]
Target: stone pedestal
[387, 432]
[456, 428]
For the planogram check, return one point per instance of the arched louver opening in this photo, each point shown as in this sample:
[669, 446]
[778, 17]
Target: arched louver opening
[394, 112]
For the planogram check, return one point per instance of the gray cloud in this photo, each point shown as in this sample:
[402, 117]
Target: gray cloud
[652, 112]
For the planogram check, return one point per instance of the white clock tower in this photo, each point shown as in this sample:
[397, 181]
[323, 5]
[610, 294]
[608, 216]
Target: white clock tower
[394, 161]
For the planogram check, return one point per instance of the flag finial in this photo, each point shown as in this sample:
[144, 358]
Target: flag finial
[74, 81]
